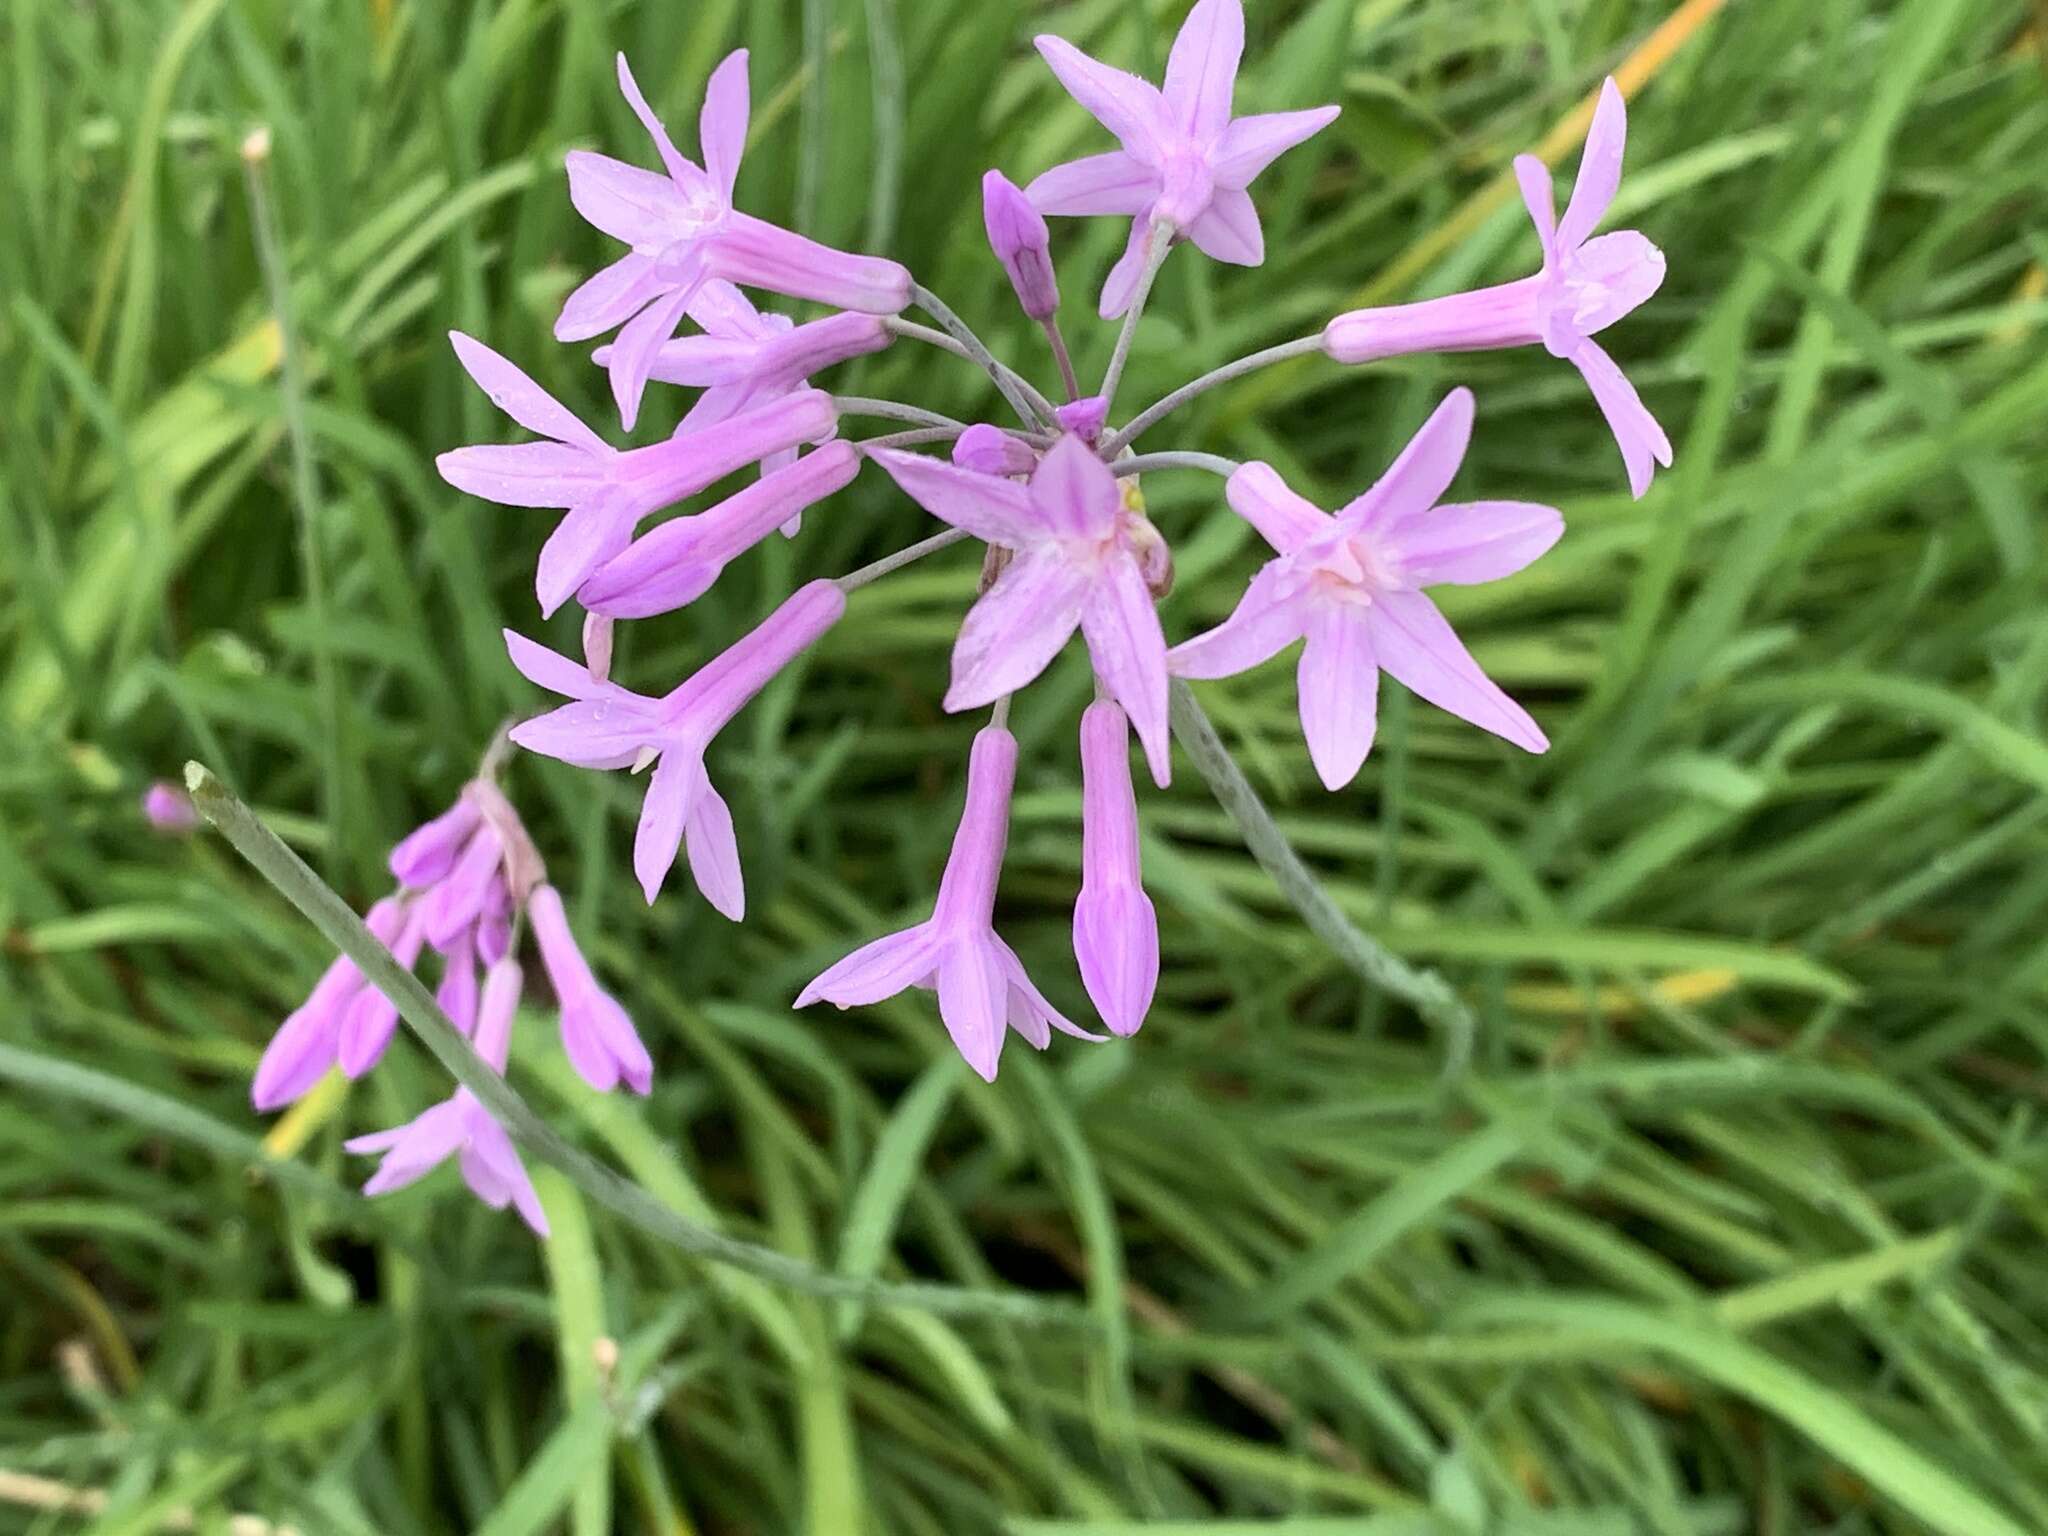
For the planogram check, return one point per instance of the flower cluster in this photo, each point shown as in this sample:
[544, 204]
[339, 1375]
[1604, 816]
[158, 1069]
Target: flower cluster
[1053, 498]
[467, 882]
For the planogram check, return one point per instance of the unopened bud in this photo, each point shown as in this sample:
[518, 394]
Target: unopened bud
[989, 450]
[1022, 243]
[1084, 417]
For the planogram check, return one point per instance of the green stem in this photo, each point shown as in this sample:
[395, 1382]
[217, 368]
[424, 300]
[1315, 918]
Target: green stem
[1424, 990]
[342, 928]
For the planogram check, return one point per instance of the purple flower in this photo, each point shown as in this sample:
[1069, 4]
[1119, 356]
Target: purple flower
[306, 1043]
[608, 727]
[1074, 565]
[1349, 585]
[372, 1018]
[596, 1033]
[979, 979]
[677, 563]
[1084, 417]
[746, 358]
[427, 855]
[1116, 933]
[607, 492]
[684, 232]
[1585, 286]
[1185, 161]
[987, 450]
[168, 808]
[460, 1127]
[1018, 236]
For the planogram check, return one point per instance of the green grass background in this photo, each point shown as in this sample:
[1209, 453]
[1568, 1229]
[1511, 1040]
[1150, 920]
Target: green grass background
[1729, 1219]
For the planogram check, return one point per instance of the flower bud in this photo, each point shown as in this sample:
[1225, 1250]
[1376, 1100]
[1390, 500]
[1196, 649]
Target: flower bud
[1084, 417]
[989, 450]
[1017, 234]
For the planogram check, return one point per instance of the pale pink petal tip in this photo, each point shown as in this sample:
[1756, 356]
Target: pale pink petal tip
[168, 808]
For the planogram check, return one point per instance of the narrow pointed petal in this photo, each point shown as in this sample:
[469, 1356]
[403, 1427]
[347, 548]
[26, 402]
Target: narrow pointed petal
[1284, 520]
[1028, 1012]
[1110, 183]
[1016, 628]
[1129, 651]
[891, 964]
[635, 207]
[1228, 229]
[428, 852]
[714, 849]
[1416, 647]
[680, 168]
[974, 1001]
[606, 1028]
[632, 356]
[1201, 71]
[583, 540]
[1121, 286]
[547, 669]
[1250, 144]
[1466, 543]
[491, 1148]
[993, 510]
[1263, 625]
[523, 474]
[1636, 432]
[609, 298]
[515, 394]
[1339, 683]
[1074, 493]
[1610, 276]
[422, 1147]
[298, 1056]
[722, 125]
[661, 820]
[1532, 176]
[1599, 169]
[1417, 480]
[1127, 106]
[607, 732]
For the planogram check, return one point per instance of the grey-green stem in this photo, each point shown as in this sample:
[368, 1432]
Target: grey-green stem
[853, 581]
[1143, 463]
[1155, 258]
[1423, 990]
[343, 929]
[1032, 408]
[1159, 410]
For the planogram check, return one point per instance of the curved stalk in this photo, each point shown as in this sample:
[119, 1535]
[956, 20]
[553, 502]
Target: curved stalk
[1159, 410]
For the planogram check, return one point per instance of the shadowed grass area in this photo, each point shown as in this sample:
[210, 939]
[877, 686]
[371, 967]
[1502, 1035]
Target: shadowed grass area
[1731, 1218]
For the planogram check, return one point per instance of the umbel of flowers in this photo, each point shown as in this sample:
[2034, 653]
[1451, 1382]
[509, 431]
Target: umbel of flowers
[1066, 548]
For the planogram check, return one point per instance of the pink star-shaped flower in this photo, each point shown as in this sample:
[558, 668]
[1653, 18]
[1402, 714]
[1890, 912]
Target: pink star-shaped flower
[1185, 160]
[1074, 565]
[684, 232]
[1587, 283]
[1350, 585]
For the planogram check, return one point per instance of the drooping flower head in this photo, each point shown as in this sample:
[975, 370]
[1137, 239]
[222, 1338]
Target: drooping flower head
[1074, 565]
[980, 981]
[1351, 587]
[1185, 161]
[684, 232]
[606, 726]
[1587, 283]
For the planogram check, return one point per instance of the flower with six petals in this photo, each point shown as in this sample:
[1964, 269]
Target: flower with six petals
[1185, 161]
[1350, 586]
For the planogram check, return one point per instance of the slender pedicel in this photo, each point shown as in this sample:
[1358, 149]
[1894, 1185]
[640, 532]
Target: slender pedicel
[1143, 463]
[1155, 257]
[1027, 410]
[853, 581]
[910, 330]
[1160, 409]
[891, 410]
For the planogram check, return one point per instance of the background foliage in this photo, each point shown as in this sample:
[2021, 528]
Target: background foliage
[1730, 1217]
